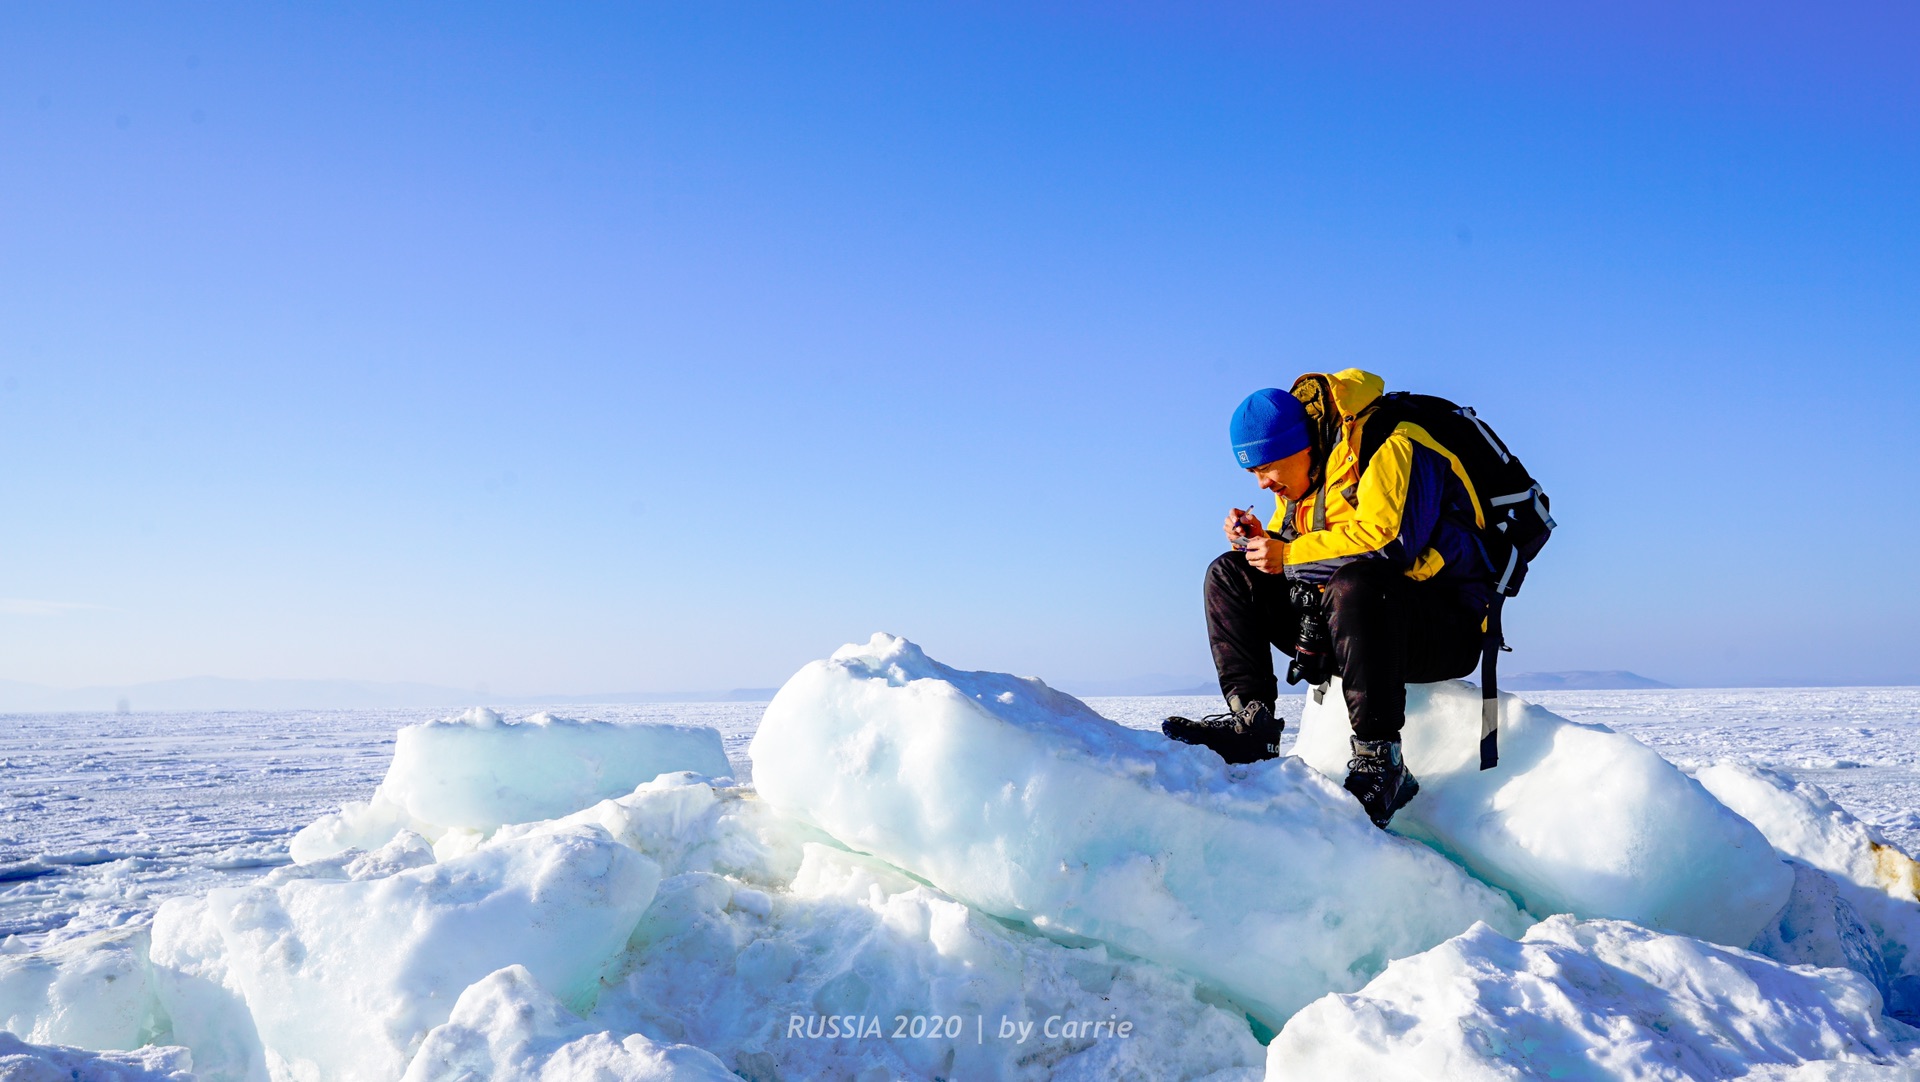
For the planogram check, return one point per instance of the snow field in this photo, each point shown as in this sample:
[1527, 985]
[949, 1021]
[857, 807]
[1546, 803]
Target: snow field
[1029, 878]
[1575, 818]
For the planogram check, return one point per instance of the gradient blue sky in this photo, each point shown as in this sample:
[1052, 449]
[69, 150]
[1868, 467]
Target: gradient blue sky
[574, 348]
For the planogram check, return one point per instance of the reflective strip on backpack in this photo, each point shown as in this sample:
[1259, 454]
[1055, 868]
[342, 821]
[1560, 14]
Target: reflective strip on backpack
[1513, 561]
[1492, 440]
[1534, 496]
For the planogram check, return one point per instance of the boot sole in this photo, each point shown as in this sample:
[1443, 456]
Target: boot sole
[1235, 748]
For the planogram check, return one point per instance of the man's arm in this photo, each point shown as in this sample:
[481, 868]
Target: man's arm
[1399, 499]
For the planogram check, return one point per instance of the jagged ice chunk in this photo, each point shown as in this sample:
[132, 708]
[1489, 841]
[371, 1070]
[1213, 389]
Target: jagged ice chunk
[1267, 883]
[1576, 818]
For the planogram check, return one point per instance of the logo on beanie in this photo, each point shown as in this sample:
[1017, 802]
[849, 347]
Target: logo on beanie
[1243, 456]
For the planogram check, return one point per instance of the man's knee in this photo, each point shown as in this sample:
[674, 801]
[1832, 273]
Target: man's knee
[1228, 574]
[1356, 584]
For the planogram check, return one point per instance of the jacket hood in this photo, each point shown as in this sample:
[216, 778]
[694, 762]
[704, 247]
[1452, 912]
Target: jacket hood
[1333, 401]
[1351, 389]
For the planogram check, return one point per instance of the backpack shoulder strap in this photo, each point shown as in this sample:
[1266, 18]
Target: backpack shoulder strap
[1377, 422]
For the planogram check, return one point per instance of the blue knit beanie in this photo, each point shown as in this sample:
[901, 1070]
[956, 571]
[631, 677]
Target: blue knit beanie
[1269, 426]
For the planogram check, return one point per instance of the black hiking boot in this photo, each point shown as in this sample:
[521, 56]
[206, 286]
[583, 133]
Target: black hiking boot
[1379, 779]
[1247, 733]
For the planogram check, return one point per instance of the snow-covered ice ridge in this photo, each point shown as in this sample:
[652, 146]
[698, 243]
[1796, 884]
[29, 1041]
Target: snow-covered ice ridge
[945, 874]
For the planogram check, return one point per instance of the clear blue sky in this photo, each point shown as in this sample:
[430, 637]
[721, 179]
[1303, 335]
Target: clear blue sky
[574, 348]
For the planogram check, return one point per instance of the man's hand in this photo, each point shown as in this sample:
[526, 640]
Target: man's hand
[1265, 554]
[1241, 525]
[1248, 534]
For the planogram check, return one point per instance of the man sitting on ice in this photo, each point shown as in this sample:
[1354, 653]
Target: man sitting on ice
[1371, 569]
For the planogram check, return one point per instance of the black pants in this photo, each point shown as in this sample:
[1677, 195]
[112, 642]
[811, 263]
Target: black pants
[1387, 630]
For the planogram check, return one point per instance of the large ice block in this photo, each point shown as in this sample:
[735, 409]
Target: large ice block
[859, 971]
[479, 771]
[1265, 882]
[1576, 818]
[92, 991]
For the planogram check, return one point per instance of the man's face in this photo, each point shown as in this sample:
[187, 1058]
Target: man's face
[1286, 478]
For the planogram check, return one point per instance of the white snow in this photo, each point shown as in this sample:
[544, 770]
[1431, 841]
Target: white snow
[1858, 744]
[479, 771]
[760, 922]
[685, 823]
[172, 790]
[506, 1028]
[1575, 818]
[1820, 927]
[1594, 1000]
[1268, 883]
[1020, 857]
[91, 992]
[855, 970]
[21, 1061]
[1871, 876]
[342, 978]
[175, 793]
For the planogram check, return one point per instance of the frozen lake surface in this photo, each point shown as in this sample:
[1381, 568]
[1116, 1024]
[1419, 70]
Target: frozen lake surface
[102, 816]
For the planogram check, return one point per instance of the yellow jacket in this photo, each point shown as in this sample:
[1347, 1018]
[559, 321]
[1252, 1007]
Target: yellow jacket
[1413, 504]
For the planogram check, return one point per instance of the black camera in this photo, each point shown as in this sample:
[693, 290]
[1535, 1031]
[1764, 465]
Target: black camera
[1313, 643]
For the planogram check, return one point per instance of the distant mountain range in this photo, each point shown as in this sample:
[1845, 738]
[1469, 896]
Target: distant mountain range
[1579, 680]
[1149, 684]
[217, 693]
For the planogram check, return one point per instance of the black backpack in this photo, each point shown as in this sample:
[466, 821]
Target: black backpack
[1511, 503]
